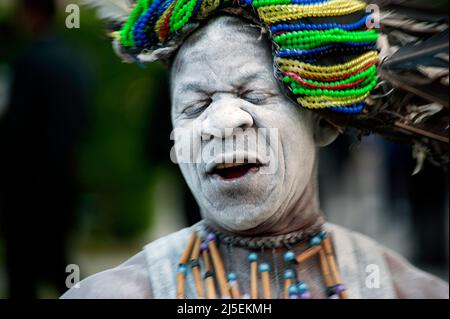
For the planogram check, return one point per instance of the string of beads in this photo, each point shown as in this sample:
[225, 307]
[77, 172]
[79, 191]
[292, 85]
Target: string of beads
[202, 255]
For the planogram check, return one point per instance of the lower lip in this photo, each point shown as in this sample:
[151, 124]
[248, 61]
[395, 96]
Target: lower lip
[237, 175]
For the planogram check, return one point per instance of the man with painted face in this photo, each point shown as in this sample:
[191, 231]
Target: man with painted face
[252, 166]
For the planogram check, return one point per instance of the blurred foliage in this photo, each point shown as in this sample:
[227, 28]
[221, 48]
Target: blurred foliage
[115, 174]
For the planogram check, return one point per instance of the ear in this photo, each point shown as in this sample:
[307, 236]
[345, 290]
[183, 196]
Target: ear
[324, 132]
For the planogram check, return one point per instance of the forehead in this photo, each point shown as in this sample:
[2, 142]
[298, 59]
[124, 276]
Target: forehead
[226, 49]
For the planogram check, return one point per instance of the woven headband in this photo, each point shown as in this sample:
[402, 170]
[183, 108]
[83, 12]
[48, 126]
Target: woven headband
[299, 45]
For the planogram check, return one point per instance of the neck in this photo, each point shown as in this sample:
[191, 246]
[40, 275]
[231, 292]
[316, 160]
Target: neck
[296, 214]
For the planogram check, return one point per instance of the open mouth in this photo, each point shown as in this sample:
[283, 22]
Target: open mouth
[230, 171]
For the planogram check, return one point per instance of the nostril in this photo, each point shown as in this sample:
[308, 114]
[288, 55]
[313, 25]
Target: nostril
[244, 126]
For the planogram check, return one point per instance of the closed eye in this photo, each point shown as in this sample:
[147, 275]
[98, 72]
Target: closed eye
[197, 108]
[255, 97]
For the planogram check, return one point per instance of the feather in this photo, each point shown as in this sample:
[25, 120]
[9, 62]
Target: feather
[426, 53]
[411, 102]
[110, 10]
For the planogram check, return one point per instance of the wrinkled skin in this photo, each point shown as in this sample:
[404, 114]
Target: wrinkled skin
[234, 76]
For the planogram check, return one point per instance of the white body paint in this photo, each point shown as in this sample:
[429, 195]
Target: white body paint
[230, 85]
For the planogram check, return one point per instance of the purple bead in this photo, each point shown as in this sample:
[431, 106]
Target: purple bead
[211, 237]
[339, 288]
[204, 246]
[293, 297]
[305, 295]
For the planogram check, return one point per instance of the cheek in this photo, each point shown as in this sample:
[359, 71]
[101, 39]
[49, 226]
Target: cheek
[298, 139]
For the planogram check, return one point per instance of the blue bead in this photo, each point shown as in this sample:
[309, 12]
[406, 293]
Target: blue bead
[302, 287]
[252, 257]
[293, 290]
[182, 268]
[289, 256]
[323, 234]
[289, 274]
[264, 267]
[315, 241]
[232, 276]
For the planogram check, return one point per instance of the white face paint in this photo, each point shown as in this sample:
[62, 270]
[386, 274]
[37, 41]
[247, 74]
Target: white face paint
[222, 78]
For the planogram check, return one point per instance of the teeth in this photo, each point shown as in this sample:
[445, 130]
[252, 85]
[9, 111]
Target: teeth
[228, 165]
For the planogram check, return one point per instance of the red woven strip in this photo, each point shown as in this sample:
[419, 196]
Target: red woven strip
[164, 32]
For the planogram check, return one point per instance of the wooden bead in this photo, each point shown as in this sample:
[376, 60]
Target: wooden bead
[332, 264]
[254, 280]
[266, 285]
[209, 280]
[307, 254]
[327, 278]
[198, 281]
[187, 251]
[210, 288]
[234, 290]
[219, 269]
[196, 268]
[180, 286]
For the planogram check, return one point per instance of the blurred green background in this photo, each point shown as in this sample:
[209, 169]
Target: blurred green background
[114, 173]
[118, 180]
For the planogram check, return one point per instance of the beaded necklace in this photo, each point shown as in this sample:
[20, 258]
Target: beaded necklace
[202, 258]
[337, 88]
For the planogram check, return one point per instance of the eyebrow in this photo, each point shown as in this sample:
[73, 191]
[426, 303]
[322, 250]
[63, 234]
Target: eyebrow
[250, 77]
[190, 86]
[199, 87]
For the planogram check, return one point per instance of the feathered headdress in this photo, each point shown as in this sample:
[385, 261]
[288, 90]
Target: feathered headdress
[390, 75]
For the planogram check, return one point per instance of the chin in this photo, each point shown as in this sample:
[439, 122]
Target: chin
[241, 214]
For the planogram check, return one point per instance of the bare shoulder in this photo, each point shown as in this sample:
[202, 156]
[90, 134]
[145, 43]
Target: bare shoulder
[126, 281]
[413, 283]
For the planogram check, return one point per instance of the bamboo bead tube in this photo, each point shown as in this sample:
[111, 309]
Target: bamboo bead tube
[218, 266]
[325, 269]
[182, 266]
[196, 250]
[233, 286]
[196, 267]
[180, 285]
[307, 254]
[264, 269]
[332, 264]
[187, 251]
[234, 289]
[209, 277]
[253, 259]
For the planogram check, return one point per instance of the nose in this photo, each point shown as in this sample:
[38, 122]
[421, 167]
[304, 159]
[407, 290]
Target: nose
[223, 116]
